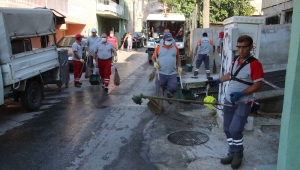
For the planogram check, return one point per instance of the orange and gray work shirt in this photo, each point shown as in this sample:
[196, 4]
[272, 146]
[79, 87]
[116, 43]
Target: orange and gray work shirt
[76, 47]
[167, 57]
[204, 45]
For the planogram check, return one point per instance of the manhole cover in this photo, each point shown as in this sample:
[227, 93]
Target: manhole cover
[188, 138]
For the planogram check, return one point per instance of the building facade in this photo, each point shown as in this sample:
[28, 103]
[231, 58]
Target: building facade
[81, 16]
[277, 11]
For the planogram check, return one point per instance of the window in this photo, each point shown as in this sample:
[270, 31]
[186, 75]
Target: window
[272, 20]
[20, 45]
[112, 26]
[288, 17]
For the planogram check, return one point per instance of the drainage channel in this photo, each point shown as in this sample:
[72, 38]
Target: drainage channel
[273, 80]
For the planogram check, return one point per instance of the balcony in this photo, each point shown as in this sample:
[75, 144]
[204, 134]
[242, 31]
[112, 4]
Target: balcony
[270, 3]
[59, 5]
[109, 9]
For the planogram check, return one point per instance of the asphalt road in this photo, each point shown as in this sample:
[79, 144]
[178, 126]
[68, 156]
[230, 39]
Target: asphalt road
[82, 128]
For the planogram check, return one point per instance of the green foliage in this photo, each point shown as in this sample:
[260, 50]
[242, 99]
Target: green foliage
[222, 9]
[219, 9]
[185, 7]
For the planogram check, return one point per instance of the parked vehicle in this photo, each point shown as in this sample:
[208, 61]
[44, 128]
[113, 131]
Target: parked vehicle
[28, 57]
[66, 43]
[156, 23]
[136, 42]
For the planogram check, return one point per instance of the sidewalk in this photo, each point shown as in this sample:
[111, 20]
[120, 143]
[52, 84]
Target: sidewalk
[260, 144]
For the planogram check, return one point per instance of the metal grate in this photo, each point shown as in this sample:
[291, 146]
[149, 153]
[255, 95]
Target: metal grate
[188, 138]
[276, 77]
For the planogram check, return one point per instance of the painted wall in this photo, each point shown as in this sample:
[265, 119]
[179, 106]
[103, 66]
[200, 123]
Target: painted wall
[73, 29]
[274, 45]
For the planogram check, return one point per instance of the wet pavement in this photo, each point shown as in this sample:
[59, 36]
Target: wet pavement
[87, 128]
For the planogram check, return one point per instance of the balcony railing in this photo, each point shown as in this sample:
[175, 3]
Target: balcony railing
[59, 5]
[111, 6]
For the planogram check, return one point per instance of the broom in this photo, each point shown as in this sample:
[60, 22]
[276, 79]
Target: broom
[122, 47]
[214, 66]
[152, 74]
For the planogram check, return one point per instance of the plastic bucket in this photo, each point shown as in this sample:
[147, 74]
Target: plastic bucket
[188, 68]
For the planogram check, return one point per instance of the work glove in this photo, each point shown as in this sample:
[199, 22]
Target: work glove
[87, 54]
[116, 59]
[156, 65]
[94, 62]
[235, 96]
[179, 70]
[81, 60]
[213, 82]
[220, 55]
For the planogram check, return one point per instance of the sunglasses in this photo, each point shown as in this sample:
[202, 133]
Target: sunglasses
[242, 47]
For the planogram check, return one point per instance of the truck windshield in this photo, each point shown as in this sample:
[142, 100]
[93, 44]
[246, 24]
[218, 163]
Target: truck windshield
[156, 29]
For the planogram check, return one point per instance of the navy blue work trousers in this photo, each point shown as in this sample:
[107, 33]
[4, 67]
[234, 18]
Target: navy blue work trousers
[235, 119]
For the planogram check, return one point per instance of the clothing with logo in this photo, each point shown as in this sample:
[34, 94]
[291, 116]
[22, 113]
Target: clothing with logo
[92, 43]
[76, 46]
[252, 72]
[167, 57]
[77, 65]
[235, 117]
[204, 45]
[104, 51]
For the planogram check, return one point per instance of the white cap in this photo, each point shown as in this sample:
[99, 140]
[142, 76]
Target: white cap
[93, 30]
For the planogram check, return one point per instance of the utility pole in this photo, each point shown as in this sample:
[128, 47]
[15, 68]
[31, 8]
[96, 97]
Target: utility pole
[206, 4]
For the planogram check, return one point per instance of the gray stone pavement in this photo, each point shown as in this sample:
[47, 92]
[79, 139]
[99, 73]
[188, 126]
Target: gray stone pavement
[260, 144]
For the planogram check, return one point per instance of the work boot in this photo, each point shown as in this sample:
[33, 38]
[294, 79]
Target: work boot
[77, 85]
[236, 162]
[169, 95]
[80, 83]
[106, 88]
[195, 77]
[227, 160]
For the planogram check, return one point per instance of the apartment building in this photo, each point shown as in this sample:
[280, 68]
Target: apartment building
[277, 11]
[112, 15]
[81, 16]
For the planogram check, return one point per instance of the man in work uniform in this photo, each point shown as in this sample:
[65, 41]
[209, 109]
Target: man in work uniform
[166, 59]
[220, 43]
[91, 44]
[77, 60]
[203, 54]
[114, 41]
[103, 52]
[166, 30]
[245, 77]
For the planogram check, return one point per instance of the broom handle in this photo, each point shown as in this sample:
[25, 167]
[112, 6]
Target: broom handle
[180, 81]
[181, 100]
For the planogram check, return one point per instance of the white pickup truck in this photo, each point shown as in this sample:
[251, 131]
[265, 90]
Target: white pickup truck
[156, 23]
[28, 55]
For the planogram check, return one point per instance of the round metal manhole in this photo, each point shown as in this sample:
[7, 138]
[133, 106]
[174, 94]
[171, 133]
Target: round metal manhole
[188, 138]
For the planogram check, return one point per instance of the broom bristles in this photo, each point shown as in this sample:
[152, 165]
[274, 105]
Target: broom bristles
[152, 75]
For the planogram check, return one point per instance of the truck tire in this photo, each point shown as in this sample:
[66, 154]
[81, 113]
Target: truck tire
[31, 98]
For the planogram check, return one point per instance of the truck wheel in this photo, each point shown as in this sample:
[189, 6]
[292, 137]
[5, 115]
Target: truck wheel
[31, 98]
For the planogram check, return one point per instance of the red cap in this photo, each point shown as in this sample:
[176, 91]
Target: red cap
[221, 34]
[79, 36]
